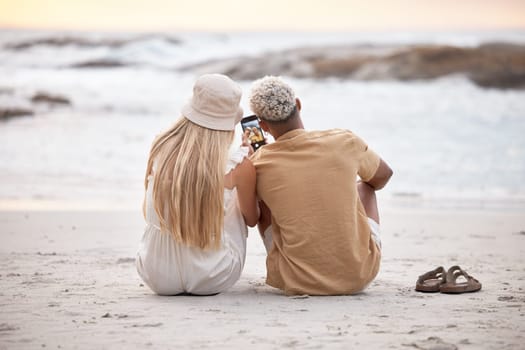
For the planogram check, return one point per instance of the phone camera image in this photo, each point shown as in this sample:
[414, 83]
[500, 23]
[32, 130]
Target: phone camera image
[255, 136]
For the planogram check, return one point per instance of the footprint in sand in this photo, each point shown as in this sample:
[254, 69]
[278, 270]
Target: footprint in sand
[6, 327]
[125, 260]
[432, 343]
[147, 325]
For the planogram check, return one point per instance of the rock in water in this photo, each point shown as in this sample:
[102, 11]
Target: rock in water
[494, 65]
[50, 99]
[100, 63]
[10, 112]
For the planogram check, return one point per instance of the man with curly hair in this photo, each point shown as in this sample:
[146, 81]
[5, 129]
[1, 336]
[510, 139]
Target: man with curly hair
[320, 226]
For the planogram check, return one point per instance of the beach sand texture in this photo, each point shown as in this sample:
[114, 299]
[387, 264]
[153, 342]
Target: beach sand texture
[68, 281]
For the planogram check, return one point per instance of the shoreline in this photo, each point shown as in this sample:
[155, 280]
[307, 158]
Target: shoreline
[387, 201]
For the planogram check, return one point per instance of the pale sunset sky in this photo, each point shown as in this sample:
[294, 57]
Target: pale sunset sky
[262, 15]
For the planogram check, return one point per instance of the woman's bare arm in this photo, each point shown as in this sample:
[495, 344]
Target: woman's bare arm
[244, 178]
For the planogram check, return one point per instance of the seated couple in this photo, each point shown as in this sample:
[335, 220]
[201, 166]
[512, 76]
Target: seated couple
[320, 226]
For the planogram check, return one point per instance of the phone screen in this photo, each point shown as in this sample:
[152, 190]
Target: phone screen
[256, 136]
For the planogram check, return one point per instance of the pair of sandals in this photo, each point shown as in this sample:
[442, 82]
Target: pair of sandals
[439, 280]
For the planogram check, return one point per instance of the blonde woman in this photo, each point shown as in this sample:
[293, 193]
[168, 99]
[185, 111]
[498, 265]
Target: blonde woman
[199, 197]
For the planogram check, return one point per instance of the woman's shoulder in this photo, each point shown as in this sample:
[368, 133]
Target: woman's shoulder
[244, 171]
[245, 164]
[236, 157]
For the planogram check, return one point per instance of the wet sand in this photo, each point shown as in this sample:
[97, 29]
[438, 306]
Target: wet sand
[68, 280]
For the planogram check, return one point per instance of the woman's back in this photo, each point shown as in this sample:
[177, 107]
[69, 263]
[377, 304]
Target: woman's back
[170, 267]
[195, 238]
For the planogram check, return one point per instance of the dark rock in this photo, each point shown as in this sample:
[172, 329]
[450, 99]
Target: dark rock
[173, 41]
[50, 99]
[10, 112]
[64, 41]
[495, 65]
[99, 63]
[500, 80]
[61, 41]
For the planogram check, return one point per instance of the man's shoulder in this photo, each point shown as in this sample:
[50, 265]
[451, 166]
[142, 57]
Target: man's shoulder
[329, 136]
[336, 135]
[329, 132]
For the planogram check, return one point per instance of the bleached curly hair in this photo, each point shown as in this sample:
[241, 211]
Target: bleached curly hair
[272, 99]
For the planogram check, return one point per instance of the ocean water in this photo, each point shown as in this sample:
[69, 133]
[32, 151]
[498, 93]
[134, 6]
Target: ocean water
[451, 144]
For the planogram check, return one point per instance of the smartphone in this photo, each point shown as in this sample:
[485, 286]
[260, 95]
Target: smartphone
[256, 136]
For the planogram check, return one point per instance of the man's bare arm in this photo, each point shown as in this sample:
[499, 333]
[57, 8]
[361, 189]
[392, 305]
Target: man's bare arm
[381, 177]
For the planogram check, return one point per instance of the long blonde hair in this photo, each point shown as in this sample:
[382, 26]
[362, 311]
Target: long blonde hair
[188, 191]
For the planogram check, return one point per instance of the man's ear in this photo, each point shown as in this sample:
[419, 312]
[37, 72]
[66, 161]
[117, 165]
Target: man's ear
[298, 103]
[263, 125]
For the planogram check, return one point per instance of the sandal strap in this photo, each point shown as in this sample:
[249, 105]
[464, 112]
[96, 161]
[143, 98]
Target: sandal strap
[437, 273]
[456, 271]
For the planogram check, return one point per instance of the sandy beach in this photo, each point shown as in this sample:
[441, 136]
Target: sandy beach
[79, 111]
[68, 281]
[435, 88]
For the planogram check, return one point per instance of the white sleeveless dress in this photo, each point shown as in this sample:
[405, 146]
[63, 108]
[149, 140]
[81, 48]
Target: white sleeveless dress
[169, 267]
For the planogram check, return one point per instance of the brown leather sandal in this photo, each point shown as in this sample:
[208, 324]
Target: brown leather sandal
[453, 287]
[431, 281]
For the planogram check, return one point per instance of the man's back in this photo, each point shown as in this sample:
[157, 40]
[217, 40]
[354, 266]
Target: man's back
[322, 242]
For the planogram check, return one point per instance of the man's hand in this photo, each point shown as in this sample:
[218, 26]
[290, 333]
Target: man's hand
[265, 219]
[246, 141]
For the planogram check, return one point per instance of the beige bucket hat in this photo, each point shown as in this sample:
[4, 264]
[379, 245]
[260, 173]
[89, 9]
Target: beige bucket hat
[215, 103]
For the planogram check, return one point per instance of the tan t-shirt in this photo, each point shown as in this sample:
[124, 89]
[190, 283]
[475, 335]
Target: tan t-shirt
[322, 243]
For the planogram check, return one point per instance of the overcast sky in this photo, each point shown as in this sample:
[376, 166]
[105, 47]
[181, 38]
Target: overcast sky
[263, 15]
